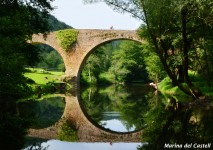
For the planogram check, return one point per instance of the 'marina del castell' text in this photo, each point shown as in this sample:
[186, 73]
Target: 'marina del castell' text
[188, 145]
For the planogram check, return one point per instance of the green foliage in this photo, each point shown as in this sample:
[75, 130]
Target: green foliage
[176, 123]
[89, 97]
[170, 27]
[98, 62]
[180, 32]
[67, 38]
[154, 67]
[128, 63]
[44, 111]
[49, 59]
[42, 81]
[18, 22]
[166, 87]
[121, 60]
[106, 78]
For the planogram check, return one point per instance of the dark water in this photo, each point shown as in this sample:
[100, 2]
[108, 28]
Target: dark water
[167, 121]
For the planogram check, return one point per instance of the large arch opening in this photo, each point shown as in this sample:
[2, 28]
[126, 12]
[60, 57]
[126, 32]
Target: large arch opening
[121, 58]
[113, 83]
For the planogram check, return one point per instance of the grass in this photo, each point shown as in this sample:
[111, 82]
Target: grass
[165, 86]
[42, 77]
[201, 82]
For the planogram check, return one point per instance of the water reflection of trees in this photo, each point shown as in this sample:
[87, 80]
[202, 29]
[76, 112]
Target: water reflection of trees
[131, 107]
[177, 123]
[45, 112]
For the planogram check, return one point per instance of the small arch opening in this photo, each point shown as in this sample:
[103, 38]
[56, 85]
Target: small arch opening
[49, 66]
[49, 58]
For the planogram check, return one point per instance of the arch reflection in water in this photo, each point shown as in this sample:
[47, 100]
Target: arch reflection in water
[116, 108]
[74, 126]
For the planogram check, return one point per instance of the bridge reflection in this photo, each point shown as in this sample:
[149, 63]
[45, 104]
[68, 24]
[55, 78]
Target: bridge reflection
[86, 130]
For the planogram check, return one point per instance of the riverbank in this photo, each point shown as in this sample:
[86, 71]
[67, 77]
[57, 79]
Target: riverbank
[166, 87]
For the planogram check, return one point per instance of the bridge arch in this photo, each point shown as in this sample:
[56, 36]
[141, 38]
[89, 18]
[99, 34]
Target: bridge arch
[87, 40]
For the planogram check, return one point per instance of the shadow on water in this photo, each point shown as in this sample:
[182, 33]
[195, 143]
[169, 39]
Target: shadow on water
[178, 125]
[13, 126]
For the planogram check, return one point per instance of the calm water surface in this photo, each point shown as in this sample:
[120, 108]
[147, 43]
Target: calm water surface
[164, 119]
[116, 108]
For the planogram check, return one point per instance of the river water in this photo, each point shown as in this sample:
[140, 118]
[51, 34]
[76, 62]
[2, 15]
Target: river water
[115, 118]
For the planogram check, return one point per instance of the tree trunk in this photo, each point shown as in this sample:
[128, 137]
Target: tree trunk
[90, 78]
[186, 45]
[161, 50]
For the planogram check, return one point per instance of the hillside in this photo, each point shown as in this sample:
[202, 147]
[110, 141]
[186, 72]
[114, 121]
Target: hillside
[55, 24]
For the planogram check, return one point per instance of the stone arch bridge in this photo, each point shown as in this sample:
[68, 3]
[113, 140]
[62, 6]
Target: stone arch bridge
[87, 41]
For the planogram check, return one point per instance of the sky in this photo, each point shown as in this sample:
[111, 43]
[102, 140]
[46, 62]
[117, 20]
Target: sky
[92, 16]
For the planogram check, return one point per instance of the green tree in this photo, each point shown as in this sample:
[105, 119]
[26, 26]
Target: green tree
[127, 63]
[175, 29]
[152, 62]
[98, 62]
[49, 59]
[121, 58]
[19, 19]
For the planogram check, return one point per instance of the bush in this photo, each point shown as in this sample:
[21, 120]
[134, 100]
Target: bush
[67, 38]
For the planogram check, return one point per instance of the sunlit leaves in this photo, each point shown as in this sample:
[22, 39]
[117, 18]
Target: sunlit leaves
[67, 38]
